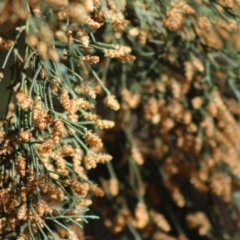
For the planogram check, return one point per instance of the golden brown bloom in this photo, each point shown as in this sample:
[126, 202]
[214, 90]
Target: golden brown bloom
[137, 156]
[54, 85]
[197, 64]
[65, 101]
[42, 49]
[2, 135]
[77, 12]
[131, 99]
[142, 37]
[85, 202]
[24, 100]
[97, 191]
[111, 102]
[103, 157]
[53, 55]
[5, 44]
[89, 59]
[22, 213]
[72, 236]
[45, 147]
[57, 3]
[20, 165]
[82, 103]
[84, 38]
[90, 116]
[199, 221]
[197, 102]
[41, 119]
[113, 186]
[24, 136]
[55, 193]
[93, 140]
[58, 130]
[141, 216]
[22, 237]
[204, 23]
[117, 19]
[61, 36]
[160, 221]
[85, 89]
[173, 20]
[80, 188]
[32, 40]
[90, 161]
[104, 124]
[91, 23]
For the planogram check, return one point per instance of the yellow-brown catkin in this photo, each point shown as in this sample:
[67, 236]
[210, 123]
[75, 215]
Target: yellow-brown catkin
[141, 216]
[204, 23]
[20, 165]
[80, 188]
[24, 136]
[5, 44]
[89, 59]
[197, 64]
[45, 147]
[41, 119]
[67, 150]
[197, 102]
[160, 221]
[91, 23]
[134, 32]
[57, 3]
[104, 124]
[24, 100]
[97, 191]
[32, 40]
[42, 49]
[53, 55]
[77, 12]
[85, 89]
[137, 156]
[103, 158]
[58, 130]
[90, 161]
[22, 237]
[84, 104]
[54, 85]
[84, 38]
[198, 220]
[113, 186]
[61, 36]
[90, 116]
[2, 135]
[89, 5]
[22, 212]
[72, 236]
[185, 7]
[65, 101]
[142, 37]
[41, 208]
[55, 193]
[93, 140]
[84, 202]
[131, 99]
[173, 19]
[158, 235]
[111, 102]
